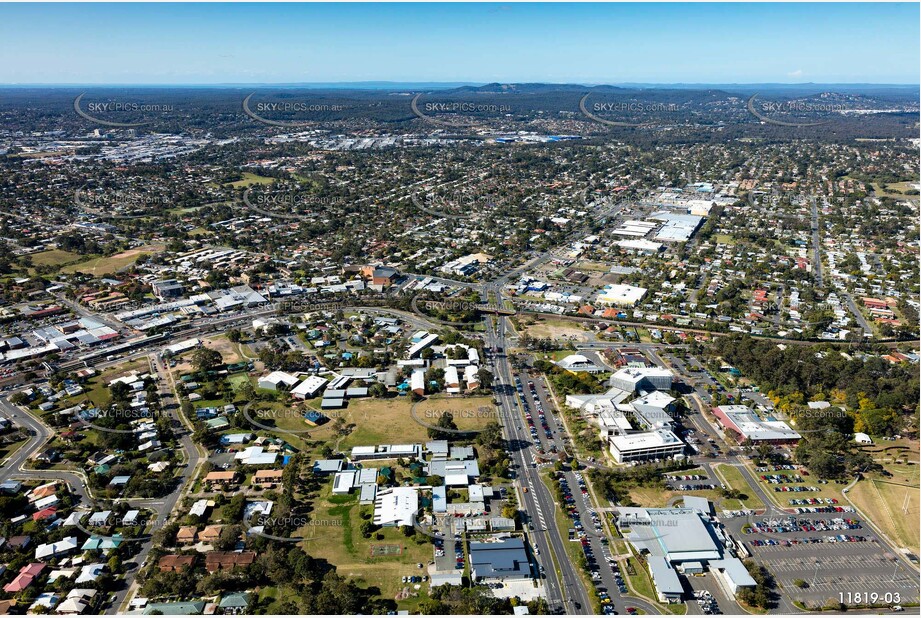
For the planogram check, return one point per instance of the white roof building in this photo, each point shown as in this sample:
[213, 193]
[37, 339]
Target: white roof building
[276, 379]
[578, 362]
[633, 379]
[256, 456]
[396, 506]
[417, 381]
[47, 551]
[343, 482]
[309, 387]
[621, 295]
[423, 343]
[452, 380]
[655, 444]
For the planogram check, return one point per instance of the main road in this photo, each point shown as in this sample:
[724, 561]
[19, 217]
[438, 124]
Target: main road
[564, 586]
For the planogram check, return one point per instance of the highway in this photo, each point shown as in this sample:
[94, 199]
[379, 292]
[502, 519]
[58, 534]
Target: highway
[564, 589]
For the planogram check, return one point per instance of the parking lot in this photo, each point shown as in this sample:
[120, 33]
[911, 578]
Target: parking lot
[791, 553]
[830, 570]
[696, 480]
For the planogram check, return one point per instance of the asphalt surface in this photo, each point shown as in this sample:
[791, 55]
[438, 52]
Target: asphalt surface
[564, 589]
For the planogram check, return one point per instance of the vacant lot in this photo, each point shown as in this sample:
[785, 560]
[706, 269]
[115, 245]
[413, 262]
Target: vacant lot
[335, 535]
[230, 353]
[382, 421]
[112, 264]
[892, 504]
[555, 329]
[468, 412]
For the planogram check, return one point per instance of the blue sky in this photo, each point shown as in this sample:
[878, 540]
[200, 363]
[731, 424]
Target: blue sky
[588, 43]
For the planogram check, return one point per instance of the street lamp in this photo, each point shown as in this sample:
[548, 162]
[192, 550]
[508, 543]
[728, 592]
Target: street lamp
[816, 574]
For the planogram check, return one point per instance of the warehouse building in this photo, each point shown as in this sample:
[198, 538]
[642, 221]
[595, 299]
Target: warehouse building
[499, 560]
[685, 539]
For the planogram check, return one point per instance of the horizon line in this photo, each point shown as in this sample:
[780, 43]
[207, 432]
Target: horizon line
[446, 84]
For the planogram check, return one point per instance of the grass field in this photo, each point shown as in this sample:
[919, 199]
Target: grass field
[250, 179]
[782, 499]
[892, 504]
[103, 265]
[54, 257]
[555, 328]
[894, 189]
[734, 479]
[468, 412]
[657, 498]
[335, 536]
[723, 239]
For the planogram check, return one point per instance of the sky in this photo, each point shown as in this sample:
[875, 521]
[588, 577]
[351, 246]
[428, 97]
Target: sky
[479, 43]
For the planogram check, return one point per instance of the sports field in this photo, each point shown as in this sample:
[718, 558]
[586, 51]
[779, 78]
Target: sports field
[105, 265]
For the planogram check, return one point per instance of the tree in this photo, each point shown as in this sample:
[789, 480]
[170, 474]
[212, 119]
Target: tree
[246, 391]
[445, 421]
[377, 390]
[204, 359]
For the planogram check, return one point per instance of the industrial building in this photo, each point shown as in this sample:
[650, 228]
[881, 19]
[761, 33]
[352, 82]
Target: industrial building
[685, 539]
[499, 560]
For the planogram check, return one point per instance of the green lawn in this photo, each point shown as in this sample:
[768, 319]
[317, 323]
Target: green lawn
[250, 179]
[335, 536]
[734, 479]
[54, 257]
[102, 265]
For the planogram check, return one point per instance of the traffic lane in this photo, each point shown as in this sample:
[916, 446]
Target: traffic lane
[541, 495]
[38, 435]
[608, 577]
[508, 406]
[532, 506]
